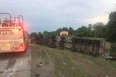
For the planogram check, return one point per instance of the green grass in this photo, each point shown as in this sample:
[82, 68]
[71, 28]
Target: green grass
[66, 64]
[74, 64]
[38, 51]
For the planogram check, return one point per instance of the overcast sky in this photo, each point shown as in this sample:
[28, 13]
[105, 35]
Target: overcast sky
[40, 15]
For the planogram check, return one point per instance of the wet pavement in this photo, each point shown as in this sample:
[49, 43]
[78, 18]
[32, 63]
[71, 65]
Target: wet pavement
[15, 64]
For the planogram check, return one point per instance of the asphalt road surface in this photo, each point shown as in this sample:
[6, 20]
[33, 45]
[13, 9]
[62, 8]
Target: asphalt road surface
[15, 64]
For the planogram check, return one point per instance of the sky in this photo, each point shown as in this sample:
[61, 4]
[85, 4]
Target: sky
[49, 15]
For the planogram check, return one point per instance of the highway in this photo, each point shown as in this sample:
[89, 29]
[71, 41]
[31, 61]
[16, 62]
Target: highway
[15, 64]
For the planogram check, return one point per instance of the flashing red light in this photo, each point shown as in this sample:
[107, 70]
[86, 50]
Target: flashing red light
[21, 47]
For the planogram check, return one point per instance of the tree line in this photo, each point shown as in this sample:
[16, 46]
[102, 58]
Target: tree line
[97, 30]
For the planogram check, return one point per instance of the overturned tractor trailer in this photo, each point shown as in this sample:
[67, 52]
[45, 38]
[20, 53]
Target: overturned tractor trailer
[89, 46]
[94, 47]
[12, 34]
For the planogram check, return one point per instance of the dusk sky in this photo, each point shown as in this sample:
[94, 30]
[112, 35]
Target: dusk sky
[41, 15]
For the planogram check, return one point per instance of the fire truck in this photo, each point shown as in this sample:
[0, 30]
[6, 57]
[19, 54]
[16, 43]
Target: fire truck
[13, 37]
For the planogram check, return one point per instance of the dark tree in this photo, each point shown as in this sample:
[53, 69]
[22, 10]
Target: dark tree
[99, 29]
[71, 31]
[58, 31]
[64, 29]
[111, 26]
[82, 31]
[33, 37]
[45, 32]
